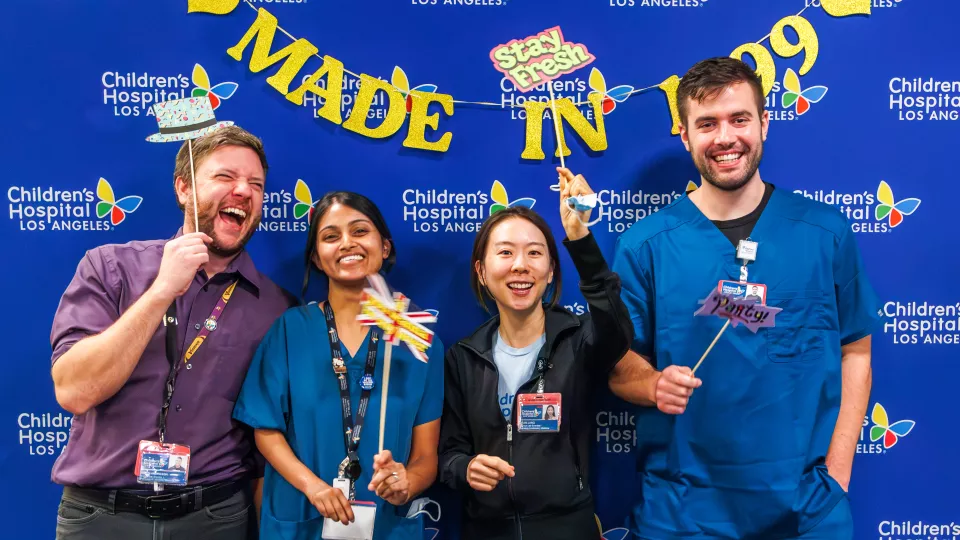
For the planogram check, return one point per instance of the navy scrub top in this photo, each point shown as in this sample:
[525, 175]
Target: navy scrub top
[747, 456]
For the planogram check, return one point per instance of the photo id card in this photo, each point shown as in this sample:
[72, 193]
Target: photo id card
[159, 463]
[746, 291]
[538, 412]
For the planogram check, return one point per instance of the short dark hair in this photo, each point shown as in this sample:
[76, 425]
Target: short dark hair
[483, 238]
[359, 203]
[707, 78]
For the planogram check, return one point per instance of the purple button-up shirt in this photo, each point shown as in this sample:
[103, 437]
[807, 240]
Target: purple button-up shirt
[102, 448]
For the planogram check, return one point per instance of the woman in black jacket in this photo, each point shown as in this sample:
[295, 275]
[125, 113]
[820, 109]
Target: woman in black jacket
[514, 436]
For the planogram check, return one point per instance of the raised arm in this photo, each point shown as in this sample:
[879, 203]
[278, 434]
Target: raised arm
[608, 329]
[102, 346]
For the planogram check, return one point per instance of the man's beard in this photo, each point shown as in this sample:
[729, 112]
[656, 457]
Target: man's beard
[706, 172]
[206, 218]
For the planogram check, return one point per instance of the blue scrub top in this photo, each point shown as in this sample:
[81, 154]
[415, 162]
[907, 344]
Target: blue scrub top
[291, 387]
[746, 459]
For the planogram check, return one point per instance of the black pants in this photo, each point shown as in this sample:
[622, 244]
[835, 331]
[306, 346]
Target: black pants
[82, 518]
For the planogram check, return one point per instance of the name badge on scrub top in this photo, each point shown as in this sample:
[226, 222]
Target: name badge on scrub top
[538, 412]
[160, 463]
[744, 291]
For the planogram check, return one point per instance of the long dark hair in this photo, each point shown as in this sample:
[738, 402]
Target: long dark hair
[552, 294]
[359, 203]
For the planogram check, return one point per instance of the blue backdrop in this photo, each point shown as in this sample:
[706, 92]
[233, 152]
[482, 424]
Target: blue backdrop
[81, 76]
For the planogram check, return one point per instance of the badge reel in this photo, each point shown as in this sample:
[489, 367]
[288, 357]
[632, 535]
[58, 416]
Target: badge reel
[582, 203]
[364, 512]
[746, 252]
[347, 474]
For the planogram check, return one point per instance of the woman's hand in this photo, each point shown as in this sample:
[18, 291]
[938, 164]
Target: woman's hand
[330, 502]
[389, 480]
[573, 221]
[485, 472]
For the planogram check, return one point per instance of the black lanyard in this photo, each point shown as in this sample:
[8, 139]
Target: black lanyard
[170, 321]
[351, 430]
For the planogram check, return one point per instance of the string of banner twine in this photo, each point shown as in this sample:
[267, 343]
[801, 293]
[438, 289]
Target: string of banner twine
[489, 103]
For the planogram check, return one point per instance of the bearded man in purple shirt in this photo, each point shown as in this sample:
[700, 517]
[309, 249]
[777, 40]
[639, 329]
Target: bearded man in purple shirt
[151, 342]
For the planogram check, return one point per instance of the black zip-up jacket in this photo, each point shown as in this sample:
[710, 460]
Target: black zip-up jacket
[549, 497]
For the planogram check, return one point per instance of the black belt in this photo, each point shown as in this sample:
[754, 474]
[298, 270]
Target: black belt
[166, 505]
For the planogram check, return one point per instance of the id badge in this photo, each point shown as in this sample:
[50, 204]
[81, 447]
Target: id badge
[538, 412]
[160, 463]
[746, 291]
[364, 514]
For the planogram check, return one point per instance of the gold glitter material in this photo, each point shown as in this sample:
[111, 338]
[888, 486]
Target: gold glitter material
[396, 113]
[669, 88]
[296, 54]
[419, 120]
[533, 147]
[217, 7]
[594, 137]
[332, 94]
[766, 69]
[843, 8]
[809, 43]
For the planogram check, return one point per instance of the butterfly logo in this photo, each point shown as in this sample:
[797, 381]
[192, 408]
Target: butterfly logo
[882, 429]
[216, 93]
[305, 202]
[109, 204]
[400, 81]
[801, 98]
[498, 194]
[617, 94]
[891, 210]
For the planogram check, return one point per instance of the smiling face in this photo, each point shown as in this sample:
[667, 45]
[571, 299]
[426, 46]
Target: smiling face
[516, 266]
[724, 134]
[349, 247]
[230, 183]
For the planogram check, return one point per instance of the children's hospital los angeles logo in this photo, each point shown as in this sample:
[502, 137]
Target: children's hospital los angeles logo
[43, 434]
[441, 210]
[880, 433]
[924, 99]
[791, 99]
[50, 209]
[868, 212]
[134, 93]
[922, 323]
[285, 211]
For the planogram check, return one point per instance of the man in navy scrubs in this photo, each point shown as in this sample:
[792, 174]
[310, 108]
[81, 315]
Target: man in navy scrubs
[760, 442]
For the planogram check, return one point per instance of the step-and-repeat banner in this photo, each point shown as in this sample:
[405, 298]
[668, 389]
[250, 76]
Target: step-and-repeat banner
[454, 119]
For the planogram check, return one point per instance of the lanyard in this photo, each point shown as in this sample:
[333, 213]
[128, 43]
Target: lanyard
[351, 431]
[170, 321]
[542, 367]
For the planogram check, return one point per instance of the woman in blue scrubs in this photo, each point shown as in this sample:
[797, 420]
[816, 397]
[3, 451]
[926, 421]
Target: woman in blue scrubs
[292, 394]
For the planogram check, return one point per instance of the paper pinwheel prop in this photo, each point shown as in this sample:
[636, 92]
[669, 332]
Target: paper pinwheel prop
[389, 313]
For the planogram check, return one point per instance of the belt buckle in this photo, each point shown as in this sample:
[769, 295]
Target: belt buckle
[160, 504]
